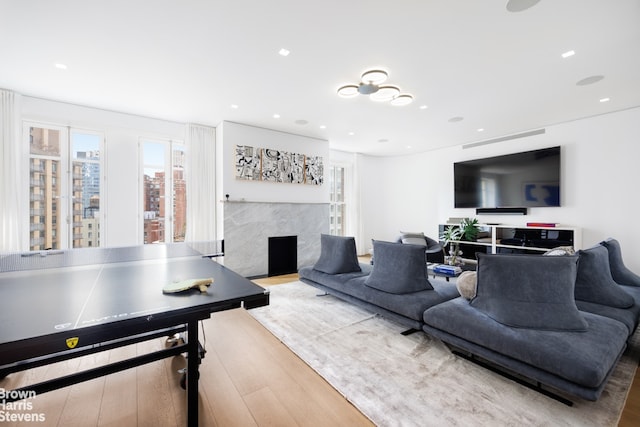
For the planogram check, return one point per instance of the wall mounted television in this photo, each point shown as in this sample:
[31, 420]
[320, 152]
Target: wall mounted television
[525, 179]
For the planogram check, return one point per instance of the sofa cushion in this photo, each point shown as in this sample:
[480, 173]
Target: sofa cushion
[399, 268]
[620, 273]
[628, 316]
[337, 255]
[584, 358]
[411, 305]
[594, 282]
[528, 291]
[334, 281]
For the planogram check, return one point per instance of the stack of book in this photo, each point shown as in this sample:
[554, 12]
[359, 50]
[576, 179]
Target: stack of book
[543, 224]
[448, 270]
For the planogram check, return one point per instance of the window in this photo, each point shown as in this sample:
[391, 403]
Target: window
[337, 202]
[64, 186]
[44, 158]
[164, 191]
[85, 148]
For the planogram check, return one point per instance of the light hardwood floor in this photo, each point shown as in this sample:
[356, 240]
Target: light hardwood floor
[247, 378]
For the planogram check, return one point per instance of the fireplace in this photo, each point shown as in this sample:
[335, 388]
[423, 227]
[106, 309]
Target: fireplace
[283, 255]
[248, 226]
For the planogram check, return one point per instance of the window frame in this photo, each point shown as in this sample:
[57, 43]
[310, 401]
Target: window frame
[102, 162]
[64, 201]
[334, 204]
[169, 200]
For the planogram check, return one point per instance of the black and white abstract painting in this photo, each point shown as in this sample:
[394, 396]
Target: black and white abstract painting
[274, 165]
[314, 170]
[248, 162]
[265, 164]
[296, 174]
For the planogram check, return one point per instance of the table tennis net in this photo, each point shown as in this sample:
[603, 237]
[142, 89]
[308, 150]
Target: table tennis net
[35, 260]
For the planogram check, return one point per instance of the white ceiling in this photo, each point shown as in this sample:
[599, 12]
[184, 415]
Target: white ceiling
[189, 61]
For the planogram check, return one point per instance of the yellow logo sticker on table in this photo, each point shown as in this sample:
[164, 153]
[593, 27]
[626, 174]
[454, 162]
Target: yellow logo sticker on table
[72, 342]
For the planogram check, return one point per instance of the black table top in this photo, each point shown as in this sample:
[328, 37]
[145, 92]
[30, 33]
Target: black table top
[64, 292]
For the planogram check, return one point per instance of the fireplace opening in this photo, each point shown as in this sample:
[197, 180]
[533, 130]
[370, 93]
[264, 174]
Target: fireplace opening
[283, 255]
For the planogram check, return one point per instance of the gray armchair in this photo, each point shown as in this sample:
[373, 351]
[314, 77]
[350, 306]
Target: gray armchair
[433, 249]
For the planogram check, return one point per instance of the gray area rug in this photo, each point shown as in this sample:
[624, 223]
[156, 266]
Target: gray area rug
[413, 380]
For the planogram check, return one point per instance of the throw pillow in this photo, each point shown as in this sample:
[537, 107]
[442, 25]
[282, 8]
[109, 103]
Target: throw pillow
[466, 284]
[413, 238]
[337, 255]
[620, 273]
[560, 251]
[399, 268]
[594, 282]
[528, 291]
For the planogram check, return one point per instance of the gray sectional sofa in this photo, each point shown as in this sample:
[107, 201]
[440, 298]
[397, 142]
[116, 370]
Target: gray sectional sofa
[562, 322]
[524, 319]
[396, 286]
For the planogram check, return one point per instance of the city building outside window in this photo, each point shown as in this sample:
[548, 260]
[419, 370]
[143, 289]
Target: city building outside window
[64, 186]
[164, 200]
[86, 174]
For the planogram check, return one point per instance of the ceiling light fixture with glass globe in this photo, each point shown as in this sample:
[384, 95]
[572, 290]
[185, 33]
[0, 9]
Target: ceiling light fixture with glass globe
[371, 83]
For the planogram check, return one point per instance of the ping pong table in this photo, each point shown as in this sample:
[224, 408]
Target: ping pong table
[58, 305]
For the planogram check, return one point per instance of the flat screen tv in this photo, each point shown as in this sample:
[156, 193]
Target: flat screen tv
[526, 179]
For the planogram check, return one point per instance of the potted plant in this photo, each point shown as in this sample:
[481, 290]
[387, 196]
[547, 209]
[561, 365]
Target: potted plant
[451, 237]
[467, 230]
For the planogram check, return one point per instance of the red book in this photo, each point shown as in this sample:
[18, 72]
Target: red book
[542, 224]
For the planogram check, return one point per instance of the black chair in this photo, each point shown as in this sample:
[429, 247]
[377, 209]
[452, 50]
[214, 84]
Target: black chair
[433, 248]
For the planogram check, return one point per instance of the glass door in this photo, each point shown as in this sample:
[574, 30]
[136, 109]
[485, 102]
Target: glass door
[64, 187]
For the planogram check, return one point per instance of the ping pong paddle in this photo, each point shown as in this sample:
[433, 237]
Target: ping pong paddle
[185, 285]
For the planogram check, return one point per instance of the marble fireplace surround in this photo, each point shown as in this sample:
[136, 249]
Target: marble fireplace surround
[248, 226]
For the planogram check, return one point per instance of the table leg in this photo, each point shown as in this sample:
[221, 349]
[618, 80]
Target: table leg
[193, 360]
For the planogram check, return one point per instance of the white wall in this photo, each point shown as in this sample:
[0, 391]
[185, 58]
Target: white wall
[231, 134]
[600, 173]
[123, 226]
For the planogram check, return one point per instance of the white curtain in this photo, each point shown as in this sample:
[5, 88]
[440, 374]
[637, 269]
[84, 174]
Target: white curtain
[201, 183]
[11, 227]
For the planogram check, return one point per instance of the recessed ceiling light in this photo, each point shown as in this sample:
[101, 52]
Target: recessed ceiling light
[276, 116]
[568, 53]
[589, 80]
[60, 66]
[423, 107]
[234, 106]
[284, 52]
[323, 127]
[481, 130]
[605, 100]
[351, 133]
[409, 147]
